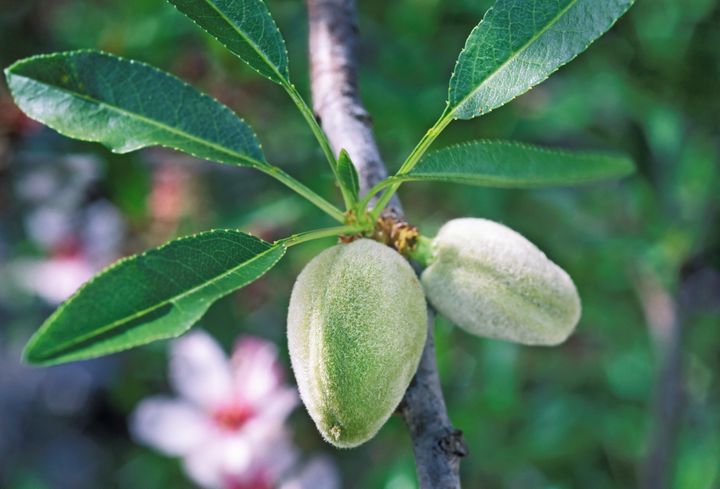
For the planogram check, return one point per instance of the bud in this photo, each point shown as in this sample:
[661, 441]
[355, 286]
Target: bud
[492, 282]
[357, 324]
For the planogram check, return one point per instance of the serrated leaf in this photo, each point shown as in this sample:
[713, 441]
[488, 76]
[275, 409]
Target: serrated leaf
[347, 175]
[514, 165]
[128, 105]
[519, 43]
[246, 28]
[156, 295]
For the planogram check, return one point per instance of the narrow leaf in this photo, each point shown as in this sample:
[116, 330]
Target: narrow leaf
[514, 165]
[519, 44]
[347, 175]
[246, 28]
[158, 294]
[127, 105]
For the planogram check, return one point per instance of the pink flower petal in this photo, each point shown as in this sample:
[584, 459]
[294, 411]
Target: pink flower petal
[319, 473]
[210, 465]
[200, 370]
[278, 457]
[203, 466]
[257, 370]
[232, 460]
[172, 427]
[54, 279]
[278, 406]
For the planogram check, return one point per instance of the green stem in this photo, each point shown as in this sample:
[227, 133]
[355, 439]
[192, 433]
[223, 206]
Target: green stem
[429, 138]
[374, 190]
[297, 239]
[445, 119]
[301, 189]
[319, 134]
[423, 252]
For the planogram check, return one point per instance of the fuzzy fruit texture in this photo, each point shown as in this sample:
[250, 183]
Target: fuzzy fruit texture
[492, 282]
[356, 329]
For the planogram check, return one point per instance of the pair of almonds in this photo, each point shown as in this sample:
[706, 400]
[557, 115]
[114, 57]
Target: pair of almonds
[357, 321]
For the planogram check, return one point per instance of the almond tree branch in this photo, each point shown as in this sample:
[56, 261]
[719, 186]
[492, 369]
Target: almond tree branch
[666, 316]
[336, 99]
[665, 327]
[437, 446]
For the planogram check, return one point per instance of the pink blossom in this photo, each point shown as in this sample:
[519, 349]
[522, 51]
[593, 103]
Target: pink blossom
[73, 252]
[227, 424]
[54, 279]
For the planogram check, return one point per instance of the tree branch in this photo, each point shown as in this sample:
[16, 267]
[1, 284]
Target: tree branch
[437, 446]
[666, 317]
[665, 327]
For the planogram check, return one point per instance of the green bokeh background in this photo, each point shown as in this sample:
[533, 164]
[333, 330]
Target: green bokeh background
[579, 415]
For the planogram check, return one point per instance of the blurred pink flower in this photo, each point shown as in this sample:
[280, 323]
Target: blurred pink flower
[54, 279]
[228, 422]
[76, 244]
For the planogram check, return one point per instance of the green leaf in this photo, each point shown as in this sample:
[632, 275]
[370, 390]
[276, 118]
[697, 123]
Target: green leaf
[519, 44]
[514, 165]
[156, 295]
[348, 177]
[246, 28]
[127, 105]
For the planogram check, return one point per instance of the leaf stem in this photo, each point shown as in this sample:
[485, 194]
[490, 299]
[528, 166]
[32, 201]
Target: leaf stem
[445, 119]
[319, 134]
[365, 201]
[297, 239]
[423, 252]
[304, 191]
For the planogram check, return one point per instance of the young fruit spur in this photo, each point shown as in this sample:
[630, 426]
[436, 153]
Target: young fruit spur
[492, 282]
[357, 325]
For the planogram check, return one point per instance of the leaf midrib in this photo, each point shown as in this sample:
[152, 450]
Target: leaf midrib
[152, 122]
[256, 48]
[517, 53]
[173, 299]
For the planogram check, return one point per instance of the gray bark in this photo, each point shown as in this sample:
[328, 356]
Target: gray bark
[666, 318]
[437, 446]
[665, 327]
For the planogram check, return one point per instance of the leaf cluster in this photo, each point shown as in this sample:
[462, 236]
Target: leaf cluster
[127, 105]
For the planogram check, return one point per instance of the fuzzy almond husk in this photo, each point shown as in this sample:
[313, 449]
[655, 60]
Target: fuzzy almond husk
[357, 324]
[492, 282]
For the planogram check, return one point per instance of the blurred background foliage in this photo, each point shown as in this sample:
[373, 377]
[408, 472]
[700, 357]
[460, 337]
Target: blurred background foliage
[633, 399]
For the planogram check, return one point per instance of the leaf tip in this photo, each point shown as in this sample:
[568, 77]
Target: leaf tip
[11, 70]
[32, 355]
